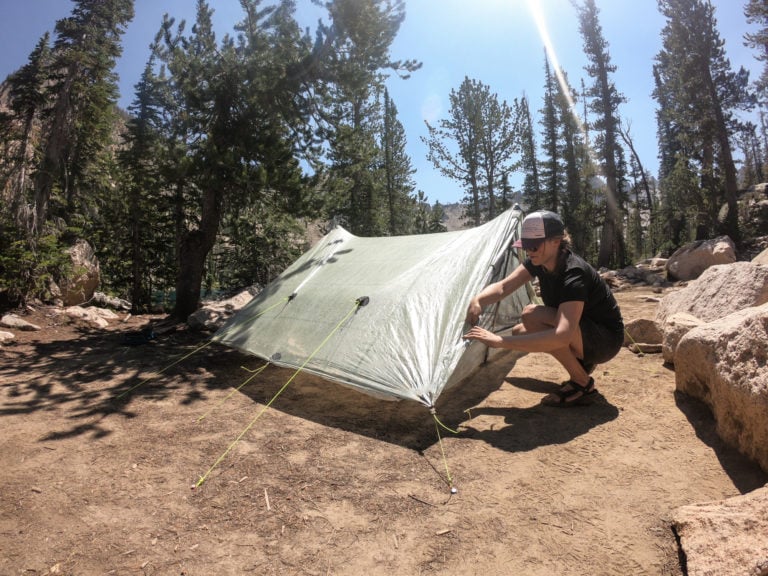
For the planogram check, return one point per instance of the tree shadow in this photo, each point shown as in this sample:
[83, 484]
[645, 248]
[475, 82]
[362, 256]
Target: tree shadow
[745, 474]
[92, 377]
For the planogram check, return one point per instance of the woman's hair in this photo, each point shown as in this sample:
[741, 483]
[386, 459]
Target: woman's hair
[565, 241]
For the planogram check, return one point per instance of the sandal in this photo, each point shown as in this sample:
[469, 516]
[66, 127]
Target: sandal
[577, 395]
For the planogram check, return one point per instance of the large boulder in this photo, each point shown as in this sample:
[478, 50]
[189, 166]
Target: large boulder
[726, 537]
[675, 327]
[80, 284]
[725, 364]
[719, 291]
[690, 261]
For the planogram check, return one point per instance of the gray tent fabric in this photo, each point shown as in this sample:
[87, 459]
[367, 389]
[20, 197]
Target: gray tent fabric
[383, 315]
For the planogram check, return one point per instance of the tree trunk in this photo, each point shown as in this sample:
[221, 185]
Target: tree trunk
[193, 251]
[731, 224]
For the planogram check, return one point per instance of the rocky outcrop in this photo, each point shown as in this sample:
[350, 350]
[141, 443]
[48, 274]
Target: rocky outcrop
[6, 337]
[725, 364]
[726, 537]
[691, 260]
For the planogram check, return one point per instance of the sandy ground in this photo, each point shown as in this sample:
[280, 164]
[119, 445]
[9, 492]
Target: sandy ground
[328, 481]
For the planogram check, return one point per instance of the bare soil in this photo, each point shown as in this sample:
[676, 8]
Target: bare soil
[328, 481]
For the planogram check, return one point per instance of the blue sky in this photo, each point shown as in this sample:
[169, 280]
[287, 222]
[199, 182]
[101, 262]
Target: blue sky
[494, 41]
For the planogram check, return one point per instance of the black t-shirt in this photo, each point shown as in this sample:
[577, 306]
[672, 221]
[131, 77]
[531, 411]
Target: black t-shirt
[575, 280]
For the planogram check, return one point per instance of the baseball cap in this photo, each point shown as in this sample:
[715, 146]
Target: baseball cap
[538, 226]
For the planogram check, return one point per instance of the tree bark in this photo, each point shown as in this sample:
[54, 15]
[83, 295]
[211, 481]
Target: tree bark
[194, 249]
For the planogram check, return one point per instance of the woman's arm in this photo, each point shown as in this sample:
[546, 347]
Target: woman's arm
[497, 291]
[563, 331]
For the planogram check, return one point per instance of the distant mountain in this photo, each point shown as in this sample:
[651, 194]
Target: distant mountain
[454, 217]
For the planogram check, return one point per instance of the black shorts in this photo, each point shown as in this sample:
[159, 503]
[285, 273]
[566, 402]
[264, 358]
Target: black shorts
[600, 342]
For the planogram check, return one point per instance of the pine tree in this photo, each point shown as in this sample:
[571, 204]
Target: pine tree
[605, 100]
[699, 93]
[357, 46]
[551, 166]
[234, 132]
[756, 12]
[570, 150]
[485, 131]
[27, 101]
[83, 91]
[398, 172]
[529, 162]
[147, 207]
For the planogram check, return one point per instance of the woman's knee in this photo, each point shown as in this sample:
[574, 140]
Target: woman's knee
[535, 315]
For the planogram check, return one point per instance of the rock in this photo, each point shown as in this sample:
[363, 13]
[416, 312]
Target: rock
[6, 337]
[79, 287]
[690, 261]
[104, 301]
[644, 348]
[642, 273]
[719, 291]
[13, 321]
[642, 330]
[93, 316]
[725, 364]
[213, 314]
[762, 258]
[676, 326]
[726, 537]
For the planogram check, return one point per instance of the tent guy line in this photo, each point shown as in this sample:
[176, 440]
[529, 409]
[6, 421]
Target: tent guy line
[360, 302]
[253, 375]
[205, 344]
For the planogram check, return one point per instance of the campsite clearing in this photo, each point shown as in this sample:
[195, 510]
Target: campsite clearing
[330, 481]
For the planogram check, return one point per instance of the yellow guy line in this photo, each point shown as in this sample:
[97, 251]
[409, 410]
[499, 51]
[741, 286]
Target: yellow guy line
[268, 404]
[439, 425]
[253, 375]
[195, 351]
[171, 365]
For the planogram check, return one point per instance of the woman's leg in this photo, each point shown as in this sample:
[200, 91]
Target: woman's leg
[538, 318]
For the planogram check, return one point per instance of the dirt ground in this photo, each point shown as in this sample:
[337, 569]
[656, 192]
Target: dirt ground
[328, 481]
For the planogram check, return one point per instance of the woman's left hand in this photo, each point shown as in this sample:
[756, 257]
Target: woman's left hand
[482, 335]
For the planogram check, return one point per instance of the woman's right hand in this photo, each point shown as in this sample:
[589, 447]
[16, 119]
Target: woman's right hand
[473, 311]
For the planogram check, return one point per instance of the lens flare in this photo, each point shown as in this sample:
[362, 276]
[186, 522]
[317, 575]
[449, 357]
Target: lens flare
[534, 7]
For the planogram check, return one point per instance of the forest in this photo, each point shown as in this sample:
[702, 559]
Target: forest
[231, 147]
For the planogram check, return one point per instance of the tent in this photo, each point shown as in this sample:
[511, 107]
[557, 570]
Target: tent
[384, 315]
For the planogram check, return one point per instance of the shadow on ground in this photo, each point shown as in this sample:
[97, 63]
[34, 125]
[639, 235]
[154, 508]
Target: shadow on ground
[745, 474]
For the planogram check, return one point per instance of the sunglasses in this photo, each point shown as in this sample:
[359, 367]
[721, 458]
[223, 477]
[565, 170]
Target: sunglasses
[532, 245]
